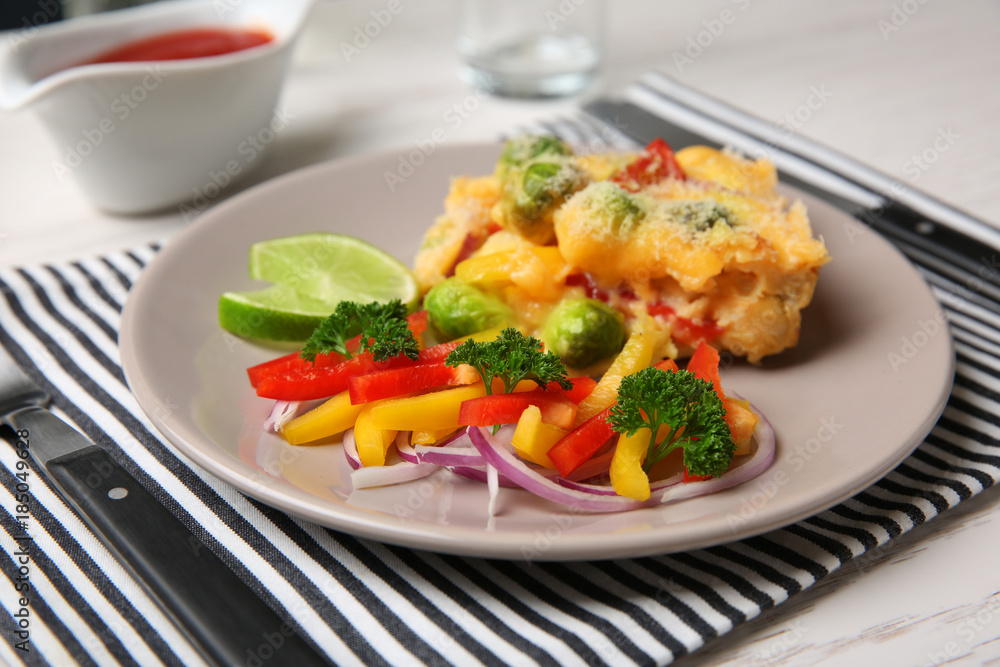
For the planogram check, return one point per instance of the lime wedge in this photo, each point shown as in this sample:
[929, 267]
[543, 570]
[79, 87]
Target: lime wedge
[330, 268]
[274, 313]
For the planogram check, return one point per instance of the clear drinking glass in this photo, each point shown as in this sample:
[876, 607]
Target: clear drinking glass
[531, 48]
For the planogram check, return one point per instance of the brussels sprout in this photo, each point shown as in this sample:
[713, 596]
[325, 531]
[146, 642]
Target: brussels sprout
[520, 150]
[457, 309]
[584, 331]
[610, 207]
[700, 216]
[533, 192]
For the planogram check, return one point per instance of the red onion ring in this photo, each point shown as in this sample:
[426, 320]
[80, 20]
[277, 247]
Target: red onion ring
[510, 465]
[449, 456]
[351, 450]
[365, 477]
[512, 471]
[595, 498]
[478, 473]
[285, 411]
[282, 413]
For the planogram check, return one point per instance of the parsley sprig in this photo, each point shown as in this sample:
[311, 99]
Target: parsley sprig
[511, 357]
[384, 331]
[690, 409]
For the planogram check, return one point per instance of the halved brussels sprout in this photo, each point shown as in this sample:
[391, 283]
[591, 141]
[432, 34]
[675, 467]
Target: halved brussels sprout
[533, 192]
[457, 309]
[700, 216]
[519, 150]
[584, 332]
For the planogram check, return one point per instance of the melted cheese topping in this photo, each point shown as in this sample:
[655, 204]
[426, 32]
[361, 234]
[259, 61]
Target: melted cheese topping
[721, 246]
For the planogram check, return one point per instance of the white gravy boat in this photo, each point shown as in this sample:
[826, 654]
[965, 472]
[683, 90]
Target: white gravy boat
[141, 137]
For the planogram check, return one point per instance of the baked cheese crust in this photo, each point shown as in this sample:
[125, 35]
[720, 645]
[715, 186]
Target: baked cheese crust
[715, 254]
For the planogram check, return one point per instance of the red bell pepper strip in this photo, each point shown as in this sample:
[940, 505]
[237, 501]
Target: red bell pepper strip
[398, 381]
[295, 362]
[667, 365]
[656, 163]
[704, 363]
[417, 322]
[688, 477]
[438, 352]
[507, 408]
[583, 386]
[685, 330]
[289, 362]
[581, 443]
[313, 382]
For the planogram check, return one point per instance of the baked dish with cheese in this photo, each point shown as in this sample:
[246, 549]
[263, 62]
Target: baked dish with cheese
[581, 250]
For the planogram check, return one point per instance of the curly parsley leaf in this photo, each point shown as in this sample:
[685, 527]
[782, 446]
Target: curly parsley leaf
[384, 331]
[512, 357]
[691, 412]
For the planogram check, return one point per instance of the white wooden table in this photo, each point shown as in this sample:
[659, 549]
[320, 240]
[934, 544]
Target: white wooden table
[910, 87]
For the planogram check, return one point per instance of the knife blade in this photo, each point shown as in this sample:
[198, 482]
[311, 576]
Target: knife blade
[972, 264]
[221, 616]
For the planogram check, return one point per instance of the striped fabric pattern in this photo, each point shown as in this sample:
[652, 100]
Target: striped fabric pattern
[363, 602]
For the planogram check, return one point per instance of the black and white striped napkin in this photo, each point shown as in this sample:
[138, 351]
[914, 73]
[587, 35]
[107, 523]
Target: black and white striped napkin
[364, 602]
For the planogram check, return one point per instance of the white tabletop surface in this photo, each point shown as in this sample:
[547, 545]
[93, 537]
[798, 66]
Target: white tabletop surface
[895, 76]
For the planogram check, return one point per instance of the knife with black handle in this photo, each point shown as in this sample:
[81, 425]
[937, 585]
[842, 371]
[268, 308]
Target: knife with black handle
[224, 619]
[928, 228]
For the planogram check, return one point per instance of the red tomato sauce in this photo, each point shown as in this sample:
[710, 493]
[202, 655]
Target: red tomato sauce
[182, 44]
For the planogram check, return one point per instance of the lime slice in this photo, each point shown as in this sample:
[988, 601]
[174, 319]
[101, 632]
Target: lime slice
[330, 268]
[275, 313]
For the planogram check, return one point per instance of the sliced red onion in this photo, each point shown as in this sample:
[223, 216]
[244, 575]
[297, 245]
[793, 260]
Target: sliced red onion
[497, 455]
[404, 448]
[498, 465]
[351, 450]
[397, 473]
[608, 490]
[478, 473]
[449, 456]
[406, 470]
[592, 467]
[282, 413]
[758, 463]
[493, 484]
[596, 498]
[285, 411]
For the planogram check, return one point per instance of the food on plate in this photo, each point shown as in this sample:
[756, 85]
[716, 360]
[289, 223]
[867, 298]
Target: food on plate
[499, 407]
[698, 244]
[557, 294]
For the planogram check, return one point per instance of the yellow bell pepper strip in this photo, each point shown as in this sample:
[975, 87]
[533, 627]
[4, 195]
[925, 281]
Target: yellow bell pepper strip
[627, 476]
[332, 417]
[434, 411]
[522, 266]
[742, 422]
[373, 443]
[429, 437]
[533, 438]
[636, 355]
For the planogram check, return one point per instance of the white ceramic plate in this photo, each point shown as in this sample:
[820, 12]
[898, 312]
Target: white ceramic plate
[868, 380]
